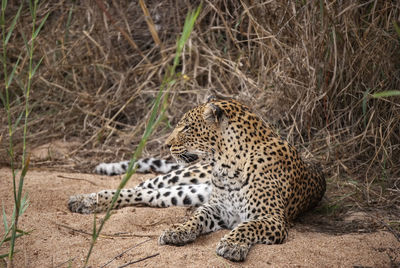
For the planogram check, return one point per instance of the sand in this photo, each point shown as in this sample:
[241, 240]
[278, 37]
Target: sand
[60, 238]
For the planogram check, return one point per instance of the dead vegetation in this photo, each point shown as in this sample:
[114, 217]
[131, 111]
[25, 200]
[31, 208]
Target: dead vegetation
[309, 67]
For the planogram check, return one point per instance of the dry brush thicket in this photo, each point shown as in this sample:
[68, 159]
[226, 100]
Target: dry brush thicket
[310, 67]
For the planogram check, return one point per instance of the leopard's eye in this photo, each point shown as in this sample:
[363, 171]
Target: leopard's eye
[185, 128]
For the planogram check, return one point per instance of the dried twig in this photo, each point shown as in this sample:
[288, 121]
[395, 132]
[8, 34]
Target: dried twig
[77, 179]
[109, 236]
[139, 260]
[79, 230]
[152, 28]
[122, 253]
[390, 229]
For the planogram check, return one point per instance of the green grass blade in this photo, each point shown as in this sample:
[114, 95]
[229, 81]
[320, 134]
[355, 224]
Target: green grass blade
[24, 204]
[19, 234]
[13, 23]
[3, 4]
[23, 232]
[36, 66]
[94, 224]
[68, 24]
[17, 121]
[389, 93]
[187, 30]
[7, 228]
[31, 8]
[21, 183]
[40, 26]
[10, 78]
[95, 235]
[364, 106]
[5, 224]
[396, 28]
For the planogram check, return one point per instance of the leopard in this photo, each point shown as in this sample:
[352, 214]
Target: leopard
[235, 168]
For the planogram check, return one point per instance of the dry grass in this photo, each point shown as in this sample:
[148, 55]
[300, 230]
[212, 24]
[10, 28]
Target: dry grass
[308, 66]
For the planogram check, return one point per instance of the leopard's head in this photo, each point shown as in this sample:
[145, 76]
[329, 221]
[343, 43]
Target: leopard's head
[196, 134]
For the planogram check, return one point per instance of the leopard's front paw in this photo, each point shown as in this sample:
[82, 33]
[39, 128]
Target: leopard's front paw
[83, 203]
[234, 251]
[177, 236]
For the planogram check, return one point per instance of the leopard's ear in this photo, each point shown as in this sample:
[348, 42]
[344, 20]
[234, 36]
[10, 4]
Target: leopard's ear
[212, 113]
[211, 98]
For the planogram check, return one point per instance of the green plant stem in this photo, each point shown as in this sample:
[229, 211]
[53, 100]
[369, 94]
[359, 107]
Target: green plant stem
[7, 98]
[160, 106]
[6, 102]
[20, 202]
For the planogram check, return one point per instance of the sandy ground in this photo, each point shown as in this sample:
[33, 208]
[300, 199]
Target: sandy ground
[60, 238]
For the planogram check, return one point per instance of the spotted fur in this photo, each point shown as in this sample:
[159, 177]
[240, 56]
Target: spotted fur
[255, 180]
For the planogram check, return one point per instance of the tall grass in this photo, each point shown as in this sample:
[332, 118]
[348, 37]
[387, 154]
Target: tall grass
[159, 108]
[12, 232]
[311, 67]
